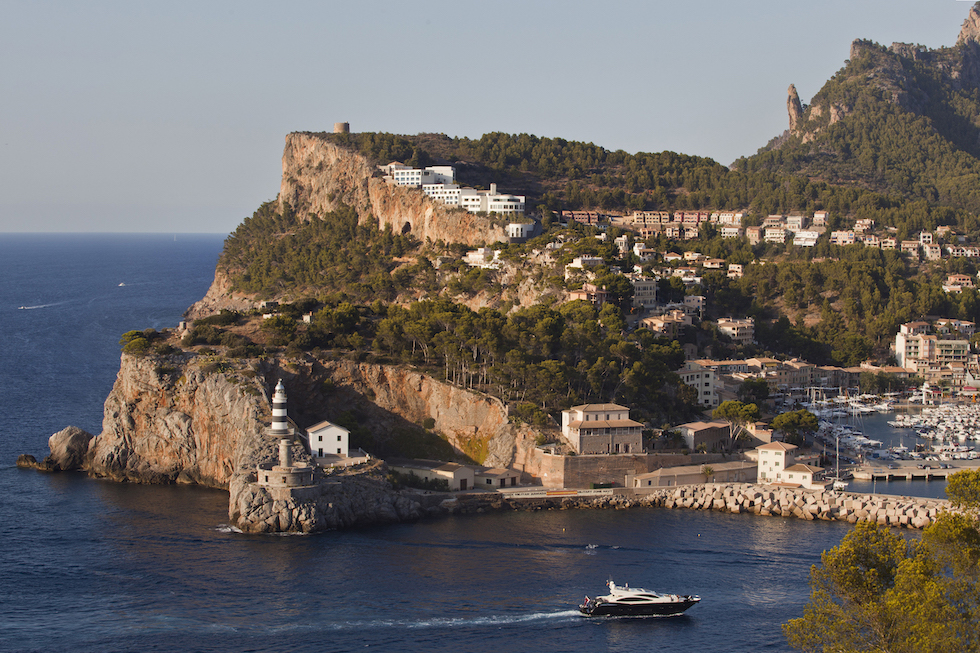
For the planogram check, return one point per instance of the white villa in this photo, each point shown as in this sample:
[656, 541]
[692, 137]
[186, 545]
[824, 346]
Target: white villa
[403, 175]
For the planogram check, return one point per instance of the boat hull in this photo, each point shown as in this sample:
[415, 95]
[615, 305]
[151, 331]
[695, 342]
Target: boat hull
[665, 609]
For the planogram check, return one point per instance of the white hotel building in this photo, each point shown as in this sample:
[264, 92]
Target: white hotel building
[474, 200]
[439, 183]
[402, 175]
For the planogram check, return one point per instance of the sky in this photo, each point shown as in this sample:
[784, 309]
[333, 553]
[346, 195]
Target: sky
[171, 117]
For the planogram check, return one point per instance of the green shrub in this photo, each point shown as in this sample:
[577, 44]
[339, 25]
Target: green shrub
[224, 318]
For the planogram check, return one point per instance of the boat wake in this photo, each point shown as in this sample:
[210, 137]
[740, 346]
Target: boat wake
[31, 308]
[461, 622]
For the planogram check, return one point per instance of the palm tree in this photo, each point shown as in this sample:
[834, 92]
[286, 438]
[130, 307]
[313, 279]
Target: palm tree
[707, 472]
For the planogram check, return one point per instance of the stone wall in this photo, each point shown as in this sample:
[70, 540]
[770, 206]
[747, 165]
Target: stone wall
[583, 470]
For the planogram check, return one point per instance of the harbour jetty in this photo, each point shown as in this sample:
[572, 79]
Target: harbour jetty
[737, 498]
[904, 473]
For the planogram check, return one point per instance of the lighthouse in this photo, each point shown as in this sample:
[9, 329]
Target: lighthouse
[279, 424]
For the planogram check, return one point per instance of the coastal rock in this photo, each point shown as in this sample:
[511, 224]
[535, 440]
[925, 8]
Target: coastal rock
[69, 448]
[334, 502]
[473, 423]
[188, 425]
[27, 461]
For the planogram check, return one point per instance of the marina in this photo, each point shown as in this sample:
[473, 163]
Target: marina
[915, 447]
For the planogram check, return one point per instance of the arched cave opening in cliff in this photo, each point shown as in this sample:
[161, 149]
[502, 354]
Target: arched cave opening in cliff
[406, 228]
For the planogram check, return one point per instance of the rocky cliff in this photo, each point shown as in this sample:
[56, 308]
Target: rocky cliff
[196, 419]
[178, 420]
[220, 296]
[318, 175]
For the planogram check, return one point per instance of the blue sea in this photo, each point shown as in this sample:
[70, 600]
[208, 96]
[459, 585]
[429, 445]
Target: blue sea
[88, 565]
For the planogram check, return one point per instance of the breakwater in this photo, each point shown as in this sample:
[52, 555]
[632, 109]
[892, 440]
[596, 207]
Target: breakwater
[906, 512]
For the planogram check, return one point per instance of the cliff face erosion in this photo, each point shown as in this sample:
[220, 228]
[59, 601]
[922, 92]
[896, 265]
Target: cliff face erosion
[317, 176]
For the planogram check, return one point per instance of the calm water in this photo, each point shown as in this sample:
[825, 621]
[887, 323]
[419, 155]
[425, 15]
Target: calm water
[94, 566]
[876, 426]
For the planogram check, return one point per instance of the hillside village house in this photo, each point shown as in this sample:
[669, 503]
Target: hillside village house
[589, 293]
[712, 436]
[957, 282]
[741, 331]
[644, 291]
[914, 345]
[519, 231]
[667, 325]
[702, 380]
[601, 429]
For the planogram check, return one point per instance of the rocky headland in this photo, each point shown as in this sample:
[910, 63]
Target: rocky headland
[319, 176]
[187, 418]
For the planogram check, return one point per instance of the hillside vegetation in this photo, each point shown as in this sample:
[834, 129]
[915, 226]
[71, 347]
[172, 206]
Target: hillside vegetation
[907, 125]
[557, 174]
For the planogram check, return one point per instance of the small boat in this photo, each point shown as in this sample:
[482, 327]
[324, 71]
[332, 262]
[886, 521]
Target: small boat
[636, 602]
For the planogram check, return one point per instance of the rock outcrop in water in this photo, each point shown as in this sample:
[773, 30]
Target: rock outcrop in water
[335, 502]
[69, 449]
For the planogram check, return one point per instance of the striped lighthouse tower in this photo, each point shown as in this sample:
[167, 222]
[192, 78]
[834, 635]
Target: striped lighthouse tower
[279, 424]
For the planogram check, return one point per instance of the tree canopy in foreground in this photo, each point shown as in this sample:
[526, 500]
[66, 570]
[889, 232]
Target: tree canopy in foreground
[877, 591]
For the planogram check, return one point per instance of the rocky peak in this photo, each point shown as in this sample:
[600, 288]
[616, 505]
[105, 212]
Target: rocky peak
[859, 46]
[794, 108]
[970, 32]
[908, 50]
